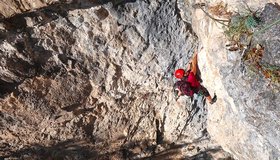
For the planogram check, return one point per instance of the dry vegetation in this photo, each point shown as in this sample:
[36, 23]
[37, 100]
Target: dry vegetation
[253, 59]
[239, 31]
[220, 10]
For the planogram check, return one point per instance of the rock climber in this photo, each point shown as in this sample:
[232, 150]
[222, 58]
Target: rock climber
[188, 83]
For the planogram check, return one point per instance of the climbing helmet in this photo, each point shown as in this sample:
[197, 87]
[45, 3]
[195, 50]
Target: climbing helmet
[179, 73]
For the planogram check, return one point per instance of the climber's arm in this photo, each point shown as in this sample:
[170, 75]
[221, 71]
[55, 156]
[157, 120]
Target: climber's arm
[194, 63]
[189, 66]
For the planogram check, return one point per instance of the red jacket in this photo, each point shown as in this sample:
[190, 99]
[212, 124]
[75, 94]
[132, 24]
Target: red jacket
[193, 81]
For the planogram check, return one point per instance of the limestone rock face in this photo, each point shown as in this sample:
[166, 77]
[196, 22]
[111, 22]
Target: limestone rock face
[92, 79]
[245, 119]
[85, 80]
[9, 8]
[270, 37]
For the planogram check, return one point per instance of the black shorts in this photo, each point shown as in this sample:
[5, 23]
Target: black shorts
[203, 91]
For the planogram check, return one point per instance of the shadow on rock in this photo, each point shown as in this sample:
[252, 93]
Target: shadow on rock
[19, 33]
[64, 150]
[51, 12]
[208, 155]
[198, 105]
[145, 149]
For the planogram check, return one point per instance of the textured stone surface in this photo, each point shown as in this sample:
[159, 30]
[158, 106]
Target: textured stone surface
[270, 37]
[10, 8]
[88, 81]
[245, 119]
[85, 80]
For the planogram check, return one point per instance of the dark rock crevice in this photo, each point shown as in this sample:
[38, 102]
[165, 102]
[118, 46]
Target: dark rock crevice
[7, 87]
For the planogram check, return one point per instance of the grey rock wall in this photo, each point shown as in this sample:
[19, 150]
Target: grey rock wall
[93, 80]
[269, 34]
[257, 97]
[244, 121]
[85, 80]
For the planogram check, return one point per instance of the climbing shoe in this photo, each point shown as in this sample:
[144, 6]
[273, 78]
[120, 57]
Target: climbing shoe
[214, 99]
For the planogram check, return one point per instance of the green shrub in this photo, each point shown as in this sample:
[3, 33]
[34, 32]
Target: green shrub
[240, 26]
